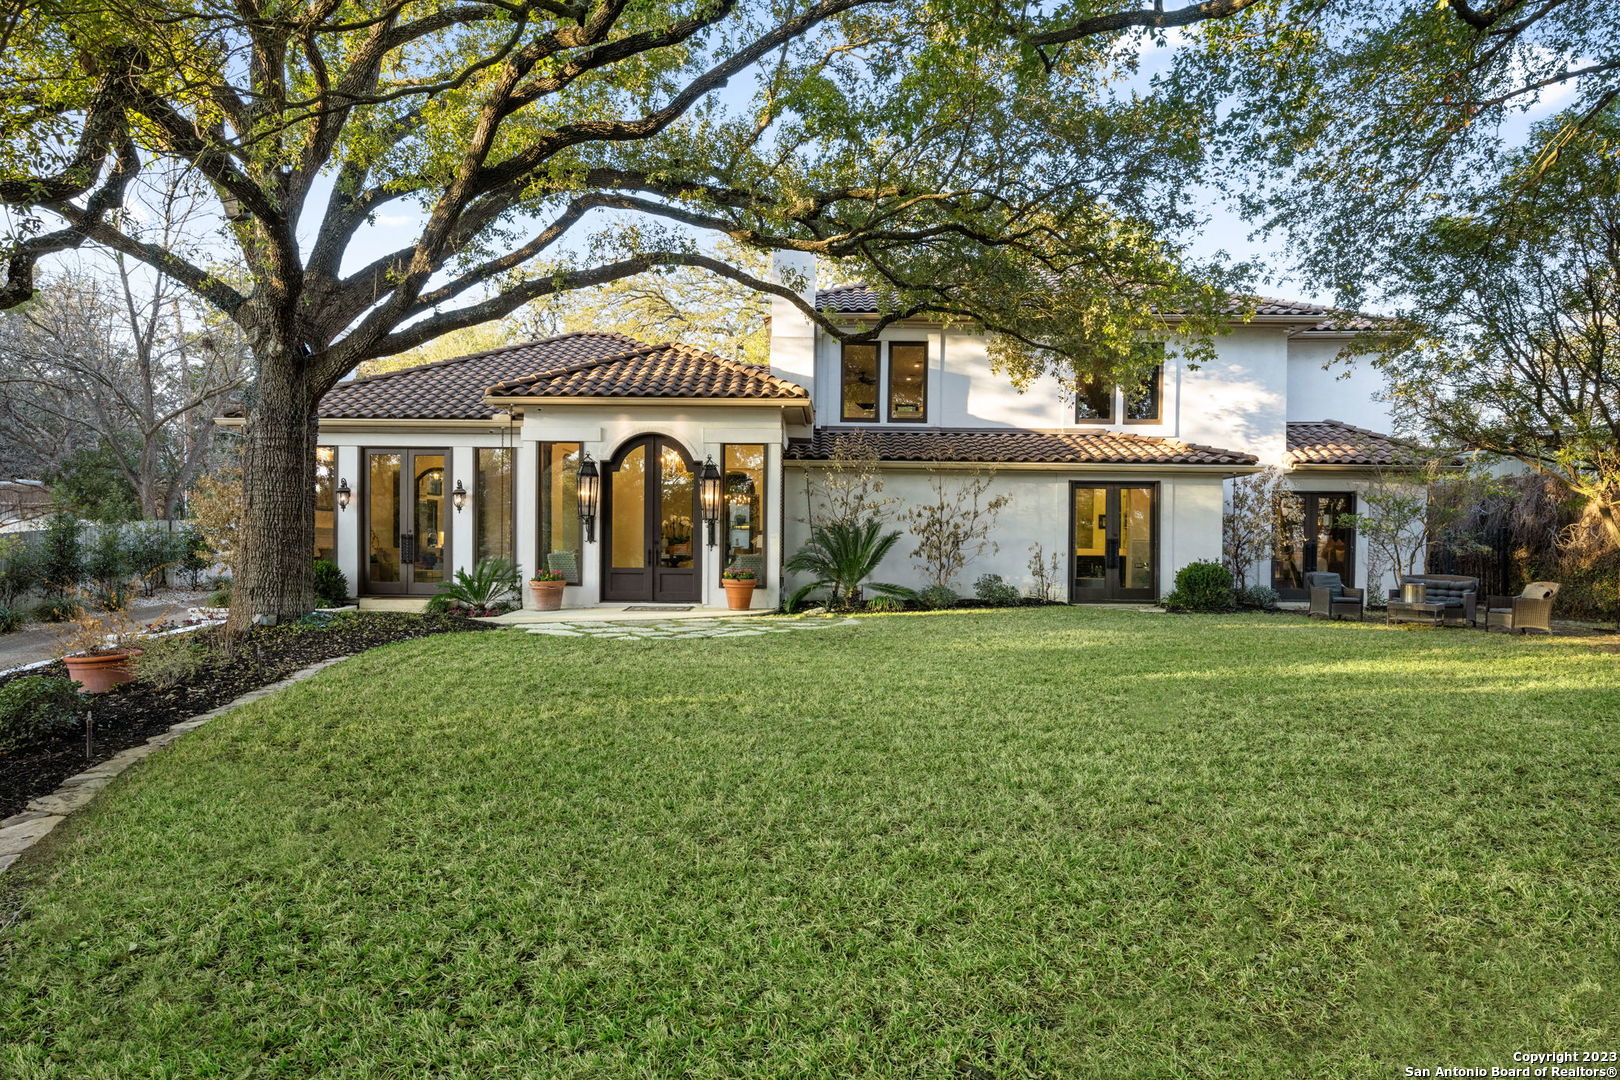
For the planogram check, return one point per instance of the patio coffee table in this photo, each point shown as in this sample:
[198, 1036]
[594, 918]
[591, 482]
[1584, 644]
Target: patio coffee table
[1405, 611]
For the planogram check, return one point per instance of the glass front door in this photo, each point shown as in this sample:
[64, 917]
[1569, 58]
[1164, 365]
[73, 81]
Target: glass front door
[407, 522]
[1313, 534]
[1115, 542]
[653, 543]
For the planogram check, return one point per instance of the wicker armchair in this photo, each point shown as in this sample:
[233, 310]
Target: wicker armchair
[1333, 599]
[1530, 610]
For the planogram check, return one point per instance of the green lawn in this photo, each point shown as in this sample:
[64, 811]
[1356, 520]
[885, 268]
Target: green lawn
[1051, 843]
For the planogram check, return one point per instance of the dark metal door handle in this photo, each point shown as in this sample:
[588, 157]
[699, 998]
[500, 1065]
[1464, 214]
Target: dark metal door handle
[407, 547]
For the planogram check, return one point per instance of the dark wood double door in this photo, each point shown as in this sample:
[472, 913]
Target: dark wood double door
[1314, 533]
[652, 545]
[1114, 542]
[407, 520]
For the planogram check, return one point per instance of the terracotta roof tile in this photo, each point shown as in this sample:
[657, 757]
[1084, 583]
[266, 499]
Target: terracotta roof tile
[1015, 446]
[454, 389]
[657, 371]
[1333, 442]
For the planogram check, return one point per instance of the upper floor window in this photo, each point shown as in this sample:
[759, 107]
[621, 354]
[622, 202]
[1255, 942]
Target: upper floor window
[1142, 402]
[908, 381]
[862, 382]
[1097, 402]
[1094, 401]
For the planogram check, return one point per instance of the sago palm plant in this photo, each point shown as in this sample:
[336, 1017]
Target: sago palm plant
[492, 586]
[841, 557]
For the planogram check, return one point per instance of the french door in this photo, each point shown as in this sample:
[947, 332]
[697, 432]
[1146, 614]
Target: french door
[1114, 531]
[652, 544]
[407, 522]
[1313, 535]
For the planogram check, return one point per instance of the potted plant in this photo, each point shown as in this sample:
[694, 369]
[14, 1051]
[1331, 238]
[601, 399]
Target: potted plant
[547, 587]
[739, 588]
[99, 650]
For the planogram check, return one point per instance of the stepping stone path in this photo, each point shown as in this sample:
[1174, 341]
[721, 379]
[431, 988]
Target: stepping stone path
[662, 629]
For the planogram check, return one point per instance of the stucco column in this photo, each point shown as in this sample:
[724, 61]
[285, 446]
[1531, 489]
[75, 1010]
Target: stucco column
[462, 469]
[350, 542]
[525, 505]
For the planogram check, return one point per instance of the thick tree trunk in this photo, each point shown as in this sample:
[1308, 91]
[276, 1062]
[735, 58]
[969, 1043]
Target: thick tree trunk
[273, 582]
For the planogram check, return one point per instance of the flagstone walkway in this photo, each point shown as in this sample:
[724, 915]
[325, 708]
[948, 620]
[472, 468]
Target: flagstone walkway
[684, 628]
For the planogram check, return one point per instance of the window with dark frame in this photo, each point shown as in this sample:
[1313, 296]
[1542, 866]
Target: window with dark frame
[742, 522]
[1094, 402]
[1142, 402]
[860, 382]
[492, 503]
[561, 534]
[908, 381]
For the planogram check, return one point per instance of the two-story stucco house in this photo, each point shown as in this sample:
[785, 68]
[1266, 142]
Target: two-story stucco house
[693, 463]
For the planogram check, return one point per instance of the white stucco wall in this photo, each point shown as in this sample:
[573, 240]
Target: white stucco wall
[1038, 513]
[1321, 387]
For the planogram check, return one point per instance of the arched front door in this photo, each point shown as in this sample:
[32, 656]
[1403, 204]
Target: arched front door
[652, 543]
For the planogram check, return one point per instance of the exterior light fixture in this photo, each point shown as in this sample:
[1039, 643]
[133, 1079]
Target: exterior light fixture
[343, 494]
[590, 494]
[459, 496]
[711, 497]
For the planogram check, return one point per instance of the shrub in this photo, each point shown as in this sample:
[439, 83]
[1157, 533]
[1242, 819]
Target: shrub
[12, 619]
[153, 548]
[992, 590]
[36, 707]
[885, 603]
[61, 556]
[55, 609]
[936, 597]
[193, 556]
[108, 569]
[331, 587]
[1263, 597]
[1201, 586]
[490, 589]
[842, 558]
[220, 596]
[19, 569]
[173, 659]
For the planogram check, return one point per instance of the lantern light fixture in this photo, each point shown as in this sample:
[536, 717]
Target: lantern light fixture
[711, 493]
[459, 496]
[590, 493]
[344, 494]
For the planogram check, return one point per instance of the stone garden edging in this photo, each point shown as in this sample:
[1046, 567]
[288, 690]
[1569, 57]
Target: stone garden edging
[22, 831]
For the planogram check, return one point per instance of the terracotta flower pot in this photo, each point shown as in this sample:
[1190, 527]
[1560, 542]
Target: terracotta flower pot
[548, 595]
[100, 673]
[739, 594]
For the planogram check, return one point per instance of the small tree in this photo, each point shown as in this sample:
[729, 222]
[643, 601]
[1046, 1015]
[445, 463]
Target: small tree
[848, 491]
[953, 527]
[1046, 576]
[61, 561]
[217, 505]
[1252, 530]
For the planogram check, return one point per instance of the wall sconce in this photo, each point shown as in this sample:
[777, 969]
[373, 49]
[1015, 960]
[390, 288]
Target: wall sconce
[344, 494]
[459, 496]
[711, 497]
[590, 493]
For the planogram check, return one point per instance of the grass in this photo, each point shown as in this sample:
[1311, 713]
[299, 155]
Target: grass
[1049, 843]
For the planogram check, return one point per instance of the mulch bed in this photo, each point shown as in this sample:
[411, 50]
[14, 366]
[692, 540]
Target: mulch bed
[133, 713]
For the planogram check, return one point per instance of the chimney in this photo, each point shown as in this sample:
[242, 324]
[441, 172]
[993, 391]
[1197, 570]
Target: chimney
[793, 335]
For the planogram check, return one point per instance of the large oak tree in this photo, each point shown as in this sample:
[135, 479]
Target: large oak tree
[393, 170]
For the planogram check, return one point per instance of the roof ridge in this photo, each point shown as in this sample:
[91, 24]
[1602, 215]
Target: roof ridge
[483, 355]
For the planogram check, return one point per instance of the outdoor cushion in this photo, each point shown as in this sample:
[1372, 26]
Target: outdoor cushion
[1322, 579]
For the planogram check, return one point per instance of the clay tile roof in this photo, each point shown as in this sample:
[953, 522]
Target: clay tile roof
[454, 389]
[864, 299]
[1333, 442]
[1014, 446]
[657, 371]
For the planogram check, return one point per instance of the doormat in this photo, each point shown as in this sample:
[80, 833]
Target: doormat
[660, 607]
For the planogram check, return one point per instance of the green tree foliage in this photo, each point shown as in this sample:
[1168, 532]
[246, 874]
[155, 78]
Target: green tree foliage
[388, 173]
[1357, 123]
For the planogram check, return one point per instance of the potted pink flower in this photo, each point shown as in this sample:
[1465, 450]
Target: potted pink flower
[739, 588]
[547, 587]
